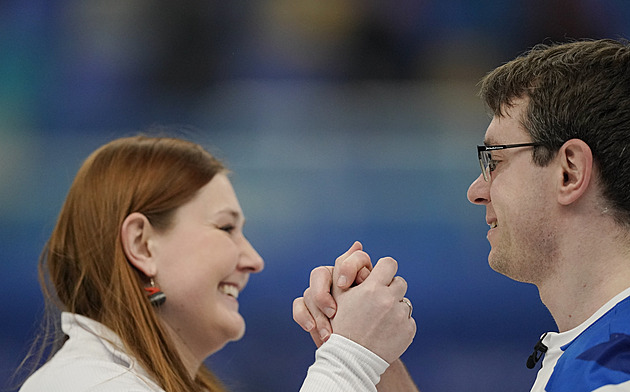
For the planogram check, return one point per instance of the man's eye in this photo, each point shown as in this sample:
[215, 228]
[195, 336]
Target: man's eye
[492, 164]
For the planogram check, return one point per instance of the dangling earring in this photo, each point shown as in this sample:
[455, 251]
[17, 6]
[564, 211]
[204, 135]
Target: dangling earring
[156, 296]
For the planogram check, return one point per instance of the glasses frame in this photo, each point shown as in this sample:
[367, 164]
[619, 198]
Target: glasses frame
[485, 159]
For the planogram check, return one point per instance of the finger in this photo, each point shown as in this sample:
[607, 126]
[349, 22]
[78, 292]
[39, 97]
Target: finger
[347, 270]
[384, 271]
[339, 261]
[322, 328]
[302, 316]
[407, 303]
[362, 275]
[319, 301]
[399, 286]
[353, 248]
[318, 296]
[316, 339]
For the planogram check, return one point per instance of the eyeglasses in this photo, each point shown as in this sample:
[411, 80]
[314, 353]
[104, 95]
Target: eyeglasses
[485, 156]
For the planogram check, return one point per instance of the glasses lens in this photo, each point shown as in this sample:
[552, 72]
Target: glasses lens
[484, 161]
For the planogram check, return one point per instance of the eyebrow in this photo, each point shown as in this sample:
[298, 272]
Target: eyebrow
[490, 142]
[235, 214]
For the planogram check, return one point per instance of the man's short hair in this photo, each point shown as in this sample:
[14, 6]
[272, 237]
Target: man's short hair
[580, 90]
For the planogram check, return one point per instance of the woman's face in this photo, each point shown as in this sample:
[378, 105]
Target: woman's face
[203, 262]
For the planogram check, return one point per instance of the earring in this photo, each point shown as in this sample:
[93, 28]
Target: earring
[156, 296]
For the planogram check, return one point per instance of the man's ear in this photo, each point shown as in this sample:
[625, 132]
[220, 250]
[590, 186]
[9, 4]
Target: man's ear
[576, 165]
[135, 234]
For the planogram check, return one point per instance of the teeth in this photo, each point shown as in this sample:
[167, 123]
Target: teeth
[229, 289]
[493, 225]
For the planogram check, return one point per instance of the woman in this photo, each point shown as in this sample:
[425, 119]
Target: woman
[146, 262]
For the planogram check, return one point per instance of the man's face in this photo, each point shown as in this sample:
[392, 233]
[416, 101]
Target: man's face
[518, 203]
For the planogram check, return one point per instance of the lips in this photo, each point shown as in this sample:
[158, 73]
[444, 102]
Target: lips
[491, 220]
[229, 289]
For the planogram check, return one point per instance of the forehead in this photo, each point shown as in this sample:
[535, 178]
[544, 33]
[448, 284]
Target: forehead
[508, 129]
[216, 197]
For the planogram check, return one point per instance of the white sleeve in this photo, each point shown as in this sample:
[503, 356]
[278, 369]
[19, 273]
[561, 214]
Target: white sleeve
[623, 387]
[342, 365]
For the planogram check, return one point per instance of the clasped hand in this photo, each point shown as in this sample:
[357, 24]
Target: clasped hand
[361, 303]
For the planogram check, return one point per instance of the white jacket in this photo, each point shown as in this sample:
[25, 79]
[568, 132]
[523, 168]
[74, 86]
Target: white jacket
[93, 359]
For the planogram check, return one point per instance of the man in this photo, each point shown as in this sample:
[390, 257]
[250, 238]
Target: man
[556, 186]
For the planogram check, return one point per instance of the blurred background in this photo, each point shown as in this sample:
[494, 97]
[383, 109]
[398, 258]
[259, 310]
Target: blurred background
[342, 120]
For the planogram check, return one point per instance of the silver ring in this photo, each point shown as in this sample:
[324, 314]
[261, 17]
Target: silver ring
[408, 303]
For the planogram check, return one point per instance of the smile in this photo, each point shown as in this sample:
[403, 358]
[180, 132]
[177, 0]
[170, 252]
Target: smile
[493, 225]
[229, 289]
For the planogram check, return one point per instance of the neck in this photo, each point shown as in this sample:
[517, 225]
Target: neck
[589, 273]
[190, 361]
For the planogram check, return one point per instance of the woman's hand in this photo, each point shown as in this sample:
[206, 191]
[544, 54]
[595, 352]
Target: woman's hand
[365, 305]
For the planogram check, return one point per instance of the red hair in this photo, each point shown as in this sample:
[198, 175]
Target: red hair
[84, 264]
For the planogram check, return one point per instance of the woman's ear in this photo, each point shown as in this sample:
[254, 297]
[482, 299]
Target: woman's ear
[136, 232]
[576, 165]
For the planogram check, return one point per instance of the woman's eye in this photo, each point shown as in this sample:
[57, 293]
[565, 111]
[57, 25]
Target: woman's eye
[227, 228]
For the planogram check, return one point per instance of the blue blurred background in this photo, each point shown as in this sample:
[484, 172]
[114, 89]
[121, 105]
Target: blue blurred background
[342, 120]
